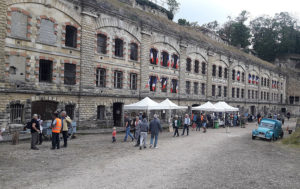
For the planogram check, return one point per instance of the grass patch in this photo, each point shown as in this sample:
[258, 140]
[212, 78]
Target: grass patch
[293, 139]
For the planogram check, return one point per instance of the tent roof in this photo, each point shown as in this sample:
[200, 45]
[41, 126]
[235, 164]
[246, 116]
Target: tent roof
[145, 104]
[224, 107]
[208, 106]
[169, 105]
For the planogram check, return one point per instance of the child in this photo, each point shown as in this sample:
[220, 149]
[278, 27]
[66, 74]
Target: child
[114, 133]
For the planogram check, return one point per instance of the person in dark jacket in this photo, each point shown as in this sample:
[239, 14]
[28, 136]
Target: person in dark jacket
[144, 127]
[35, 131]
[176, 125]
[155, 127]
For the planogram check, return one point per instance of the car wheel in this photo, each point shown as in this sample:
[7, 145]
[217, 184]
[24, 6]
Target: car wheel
[253, 137]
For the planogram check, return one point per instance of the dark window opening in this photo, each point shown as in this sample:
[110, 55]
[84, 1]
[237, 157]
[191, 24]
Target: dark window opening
[174, 87]
[220, 71]
[243, 77]
[119, 47]
[202, 88]
[237, 93]
[153, 56]
[45, 71]
[196, 66]
[225, 73]
[17, 113]
[118, 80]
[101, 77]
[188, 65]
[101, 112]
[165, 59]
[70, 74]
[101, 43]
[225, 91]
[233, 92]
[213, 90]
[133, 51]
[71, 36]
[219, 91]
[188, 87]
[296, 98]
[133, 81]
[233, 75]
[196, 88]
[175, 64]
[70, 110]
[214, 71]
[252, 94]
[242, 93]
[203, 68]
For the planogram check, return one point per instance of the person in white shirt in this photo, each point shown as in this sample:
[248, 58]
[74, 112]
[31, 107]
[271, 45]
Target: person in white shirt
[40, 138]
[187, 123]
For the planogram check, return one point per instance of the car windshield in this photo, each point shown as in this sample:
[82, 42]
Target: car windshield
[267, 125]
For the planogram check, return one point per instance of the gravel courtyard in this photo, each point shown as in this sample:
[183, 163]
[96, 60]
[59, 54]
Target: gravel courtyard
[212, 160]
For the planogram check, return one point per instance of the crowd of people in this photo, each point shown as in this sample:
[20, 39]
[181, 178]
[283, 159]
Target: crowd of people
[60, 124]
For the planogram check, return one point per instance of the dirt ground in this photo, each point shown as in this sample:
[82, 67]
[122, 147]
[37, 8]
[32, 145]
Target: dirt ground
[215, 159]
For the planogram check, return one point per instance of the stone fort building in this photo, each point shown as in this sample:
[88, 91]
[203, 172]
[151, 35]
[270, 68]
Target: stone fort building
[90, 57]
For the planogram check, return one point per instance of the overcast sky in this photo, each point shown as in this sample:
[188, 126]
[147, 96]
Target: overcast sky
[204, 11]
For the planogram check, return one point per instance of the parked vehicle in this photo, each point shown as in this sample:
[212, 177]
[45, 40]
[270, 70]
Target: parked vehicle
[269, 129]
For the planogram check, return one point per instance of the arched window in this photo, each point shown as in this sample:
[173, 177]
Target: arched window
[153, 56]
[71, 36]
[101, 43]
[188, 65]
[133, 51]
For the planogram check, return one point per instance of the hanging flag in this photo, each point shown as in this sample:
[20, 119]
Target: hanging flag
[161, 59]
[176, 87]
[154, 84]
[177, 64]
[172, 85]
[257, 80]
[165, 83]
[172, 62]
[168, 60]
[238, 76]
[156, 59]
[151, 57]
[148, 84]
[249, 80]
[253, 79]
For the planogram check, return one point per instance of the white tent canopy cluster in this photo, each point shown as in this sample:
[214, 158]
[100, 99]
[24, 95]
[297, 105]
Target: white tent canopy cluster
[148, 104]
[218, 107]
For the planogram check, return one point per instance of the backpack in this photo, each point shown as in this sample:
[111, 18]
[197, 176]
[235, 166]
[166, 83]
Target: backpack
[28, 125]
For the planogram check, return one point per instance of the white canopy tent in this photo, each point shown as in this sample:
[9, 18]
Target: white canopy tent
[169, 105]
[208, 106]
[224, 107]
[145, 104]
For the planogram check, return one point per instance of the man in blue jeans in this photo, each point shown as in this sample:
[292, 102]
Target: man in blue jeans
[127, 128]
[155, 127]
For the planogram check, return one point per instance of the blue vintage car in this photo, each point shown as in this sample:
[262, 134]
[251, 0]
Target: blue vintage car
[269, 129]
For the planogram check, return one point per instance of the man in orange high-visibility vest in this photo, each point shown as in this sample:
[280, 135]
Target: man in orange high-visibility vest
[56, 128]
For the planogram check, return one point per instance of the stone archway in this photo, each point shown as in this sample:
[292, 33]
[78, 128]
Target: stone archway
[44, 108]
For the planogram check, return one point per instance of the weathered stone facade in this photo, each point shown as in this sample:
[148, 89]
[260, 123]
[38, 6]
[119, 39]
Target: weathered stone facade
[103, 81]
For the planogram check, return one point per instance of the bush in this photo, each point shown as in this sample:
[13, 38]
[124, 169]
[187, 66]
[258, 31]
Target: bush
[294, 139]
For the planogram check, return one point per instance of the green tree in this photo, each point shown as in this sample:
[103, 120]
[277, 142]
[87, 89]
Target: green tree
[236, 32]
[173, 6]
